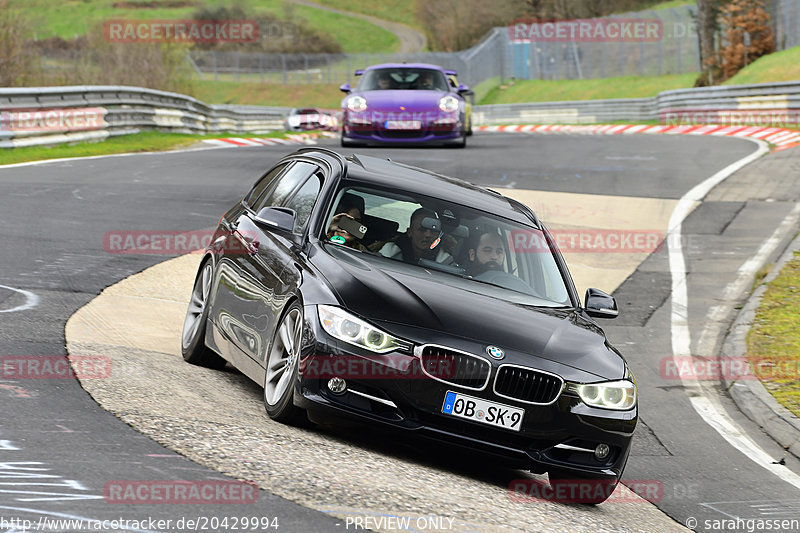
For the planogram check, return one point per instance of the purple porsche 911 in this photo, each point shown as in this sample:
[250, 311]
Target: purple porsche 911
[406, 103]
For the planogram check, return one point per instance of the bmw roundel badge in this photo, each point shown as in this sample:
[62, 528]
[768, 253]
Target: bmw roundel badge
[495, 352]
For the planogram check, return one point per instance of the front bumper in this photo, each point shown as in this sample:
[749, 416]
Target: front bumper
[555, 436]
[375, 131]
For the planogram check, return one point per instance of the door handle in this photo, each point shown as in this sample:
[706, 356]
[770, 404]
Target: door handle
[250, 244]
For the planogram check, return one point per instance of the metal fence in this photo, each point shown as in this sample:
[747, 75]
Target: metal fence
[675, 52]
[485, 60]
[786, 23]
[498, 56]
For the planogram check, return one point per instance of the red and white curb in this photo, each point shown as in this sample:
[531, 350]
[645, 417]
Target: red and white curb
[781, 138]
[300, 138]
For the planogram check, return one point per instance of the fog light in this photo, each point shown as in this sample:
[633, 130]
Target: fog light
[601, 452]
[338, 386]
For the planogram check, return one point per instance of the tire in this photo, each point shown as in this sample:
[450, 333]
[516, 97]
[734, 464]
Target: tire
[461, 142]
[346, 143]
[469, 127]
[193, 336]
[280, 374]
[592, 491]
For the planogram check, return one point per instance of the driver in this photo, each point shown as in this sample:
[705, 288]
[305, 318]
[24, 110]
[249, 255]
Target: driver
[488, 253]
[417, 242]
[384, 81]
[426, 80]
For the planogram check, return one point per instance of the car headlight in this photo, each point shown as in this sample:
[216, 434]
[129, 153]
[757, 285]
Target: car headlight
[616, 395]
[448, 103]
[356, 103]
[346, 327]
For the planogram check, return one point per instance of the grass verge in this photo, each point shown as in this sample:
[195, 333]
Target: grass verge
[270, 94]
[773, 343]
[148, 141]
[74, 18]
[401, 11]
[589, 89]
[780, 66]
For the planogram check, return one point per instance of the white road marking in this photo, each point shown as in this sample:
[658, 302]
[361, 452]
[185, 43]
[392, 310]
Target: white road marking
[703, 402]
[31, 300]
[744, 278]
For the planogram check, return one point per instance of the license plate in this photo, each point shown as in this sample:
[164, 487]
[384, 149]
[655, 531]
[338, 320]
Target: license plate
[480, 410]
[403, 124]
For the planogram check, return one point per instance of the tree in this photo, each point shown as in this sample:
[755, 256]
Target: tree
[748, 34]
[706, 30]
[731, 33]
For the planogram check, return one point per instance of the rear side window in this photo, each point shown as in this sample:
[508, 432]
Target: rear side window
[303, 202]
[263, 184]
[284, 187]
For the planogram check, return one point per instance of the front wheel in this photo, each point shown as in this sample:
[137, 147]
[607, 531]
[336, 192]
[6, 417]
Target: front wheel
[573, 488]
[282, 364]
[193, 338]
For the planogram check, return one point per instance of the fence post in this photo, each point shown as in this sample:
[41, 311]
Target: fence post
[328, 60]
[261, 66]
[283, 68]
[214, 56]
[305, 63]
[500, 47]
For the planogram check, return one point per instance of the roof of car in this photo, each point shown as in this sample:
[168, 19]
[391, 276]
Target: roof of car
[405, 65]
[387, 173]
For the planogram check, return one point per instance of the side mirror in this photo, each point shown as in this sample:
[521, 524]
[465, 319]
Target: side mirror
[280, 218]
[600, 305]
[345, 88]
[463, 89]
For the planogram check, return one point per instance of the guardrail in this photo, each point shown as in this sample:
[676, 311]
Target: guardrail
[764, 104]
[52, 115]
[577, 112]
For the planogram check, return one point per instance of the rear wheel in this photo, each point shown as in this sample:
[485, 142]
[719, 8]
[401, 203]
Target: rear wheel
[282, 364]
[193, 343]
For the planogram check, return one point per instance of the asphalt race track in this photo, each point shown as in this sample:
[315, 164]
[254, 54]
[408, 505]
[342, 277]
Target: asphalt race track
[60, 450]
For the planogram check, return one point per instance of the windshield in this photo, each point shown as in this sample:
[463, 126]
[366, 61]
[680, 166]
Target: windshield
[423, 79]
[478, 251]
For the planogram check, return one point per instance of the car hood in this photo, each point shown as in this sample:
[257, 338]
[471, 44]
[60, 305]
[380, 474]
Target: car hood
[421, 300]
[410, 100]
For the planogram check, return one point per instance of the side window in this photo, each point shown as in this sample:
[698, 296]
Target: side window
[303, 201]
[263, 184]
[285, 185]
